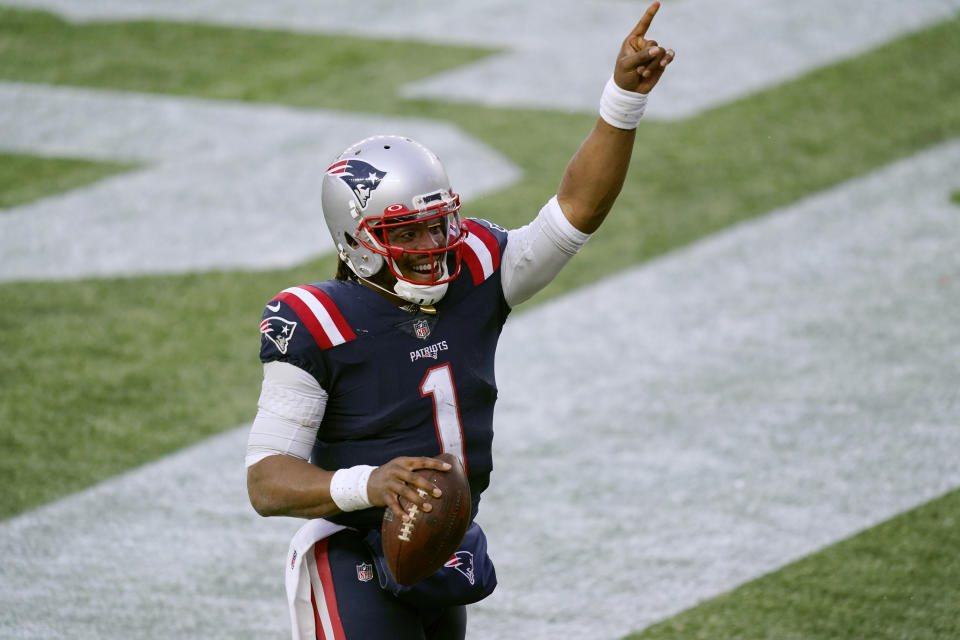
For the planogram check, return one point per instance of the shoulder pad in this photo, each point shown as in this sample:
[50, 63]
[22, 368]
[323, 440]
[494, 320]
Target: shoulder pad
[308, 307]
[482, 249]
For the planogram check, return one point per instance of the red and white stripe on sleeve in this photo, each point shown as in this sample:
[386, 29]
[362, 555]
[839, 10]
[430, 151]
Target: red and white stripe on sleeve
[319, 315]
[482, 252]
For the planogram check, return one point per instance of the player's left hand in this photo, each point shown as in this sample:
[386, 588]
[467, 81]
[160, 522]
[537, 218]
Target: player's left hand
[641, 62]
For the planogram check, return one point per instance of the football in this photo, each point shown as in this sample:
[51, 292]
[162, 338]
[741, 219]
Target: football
[417, 548]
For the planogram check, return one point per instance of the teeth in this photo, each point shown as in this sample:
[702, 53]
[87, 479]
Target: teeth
[425, 268]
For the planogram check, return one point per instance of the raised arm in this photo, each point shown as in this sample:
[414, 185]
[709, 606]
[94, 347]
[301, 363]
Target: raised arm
[595, 175]
[537, 252]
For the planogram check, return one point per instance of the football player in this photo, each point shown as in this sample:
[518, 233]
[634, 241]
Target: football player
[371, 374]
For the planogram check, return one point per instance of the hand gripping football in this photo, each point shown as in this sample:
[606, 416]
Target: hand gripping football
[417, 548]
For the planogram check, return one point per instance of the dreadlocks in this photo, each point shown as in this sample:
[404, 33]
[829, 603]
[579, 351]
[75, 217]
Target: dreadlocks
[345, 273]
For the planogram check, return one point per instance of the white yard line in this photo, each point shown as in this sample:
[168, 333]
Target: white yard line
[225, 185]
[558, 53]
[661, 437]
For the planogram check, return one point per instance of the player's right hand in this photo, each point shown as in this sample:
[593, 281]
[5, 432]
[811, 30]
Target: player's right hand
[397, 478]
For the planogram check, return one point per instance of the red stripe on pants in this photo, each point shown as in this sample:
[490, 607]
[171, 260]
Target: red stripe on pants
[329, 596]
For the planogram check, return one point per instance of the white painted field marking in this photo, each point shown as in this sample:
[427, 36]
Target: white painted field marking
[661, 437]
[558, 53]
[225, 185]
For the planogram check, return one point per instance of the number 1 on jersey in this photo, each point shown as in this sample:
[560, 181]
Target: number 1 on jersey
[438, 383]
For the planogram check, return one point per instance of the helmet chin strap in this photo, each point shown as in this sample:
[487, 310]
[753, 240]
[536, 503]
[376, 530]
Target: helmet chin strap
[422, 295]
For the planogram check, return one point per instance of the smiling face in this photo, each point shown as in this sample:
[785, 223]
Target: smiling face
[422, 248]
[417, 239]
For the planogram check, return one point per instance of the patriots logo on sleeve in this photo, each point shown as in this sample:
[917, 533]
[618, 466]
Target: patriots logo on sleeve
[362, 177]
[278, 331]
[462, 561]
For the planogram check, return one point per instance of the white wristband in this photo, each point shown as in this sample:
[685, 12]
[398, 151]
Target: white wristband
[621, 108]
[348, 488]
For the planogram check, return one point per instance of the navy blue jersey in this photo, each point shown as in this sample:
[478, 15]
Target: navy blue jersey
[399, 383]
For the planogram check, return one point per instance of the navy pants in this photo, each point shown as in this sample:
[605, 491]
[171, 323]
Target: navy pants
[348, 600]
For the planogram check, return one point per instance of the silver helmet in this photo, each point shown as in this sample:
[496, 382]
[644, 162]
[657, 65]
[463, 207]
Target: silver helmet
[389, 181]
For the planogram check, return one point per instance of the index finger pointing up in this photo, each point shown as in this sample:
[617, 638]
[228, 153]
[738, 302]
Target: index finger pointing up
[644, 24]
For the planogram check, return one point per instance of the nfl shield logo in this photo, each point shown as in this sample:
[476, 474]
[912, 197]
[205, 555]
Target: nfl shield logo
[421, 328]
[364, 572]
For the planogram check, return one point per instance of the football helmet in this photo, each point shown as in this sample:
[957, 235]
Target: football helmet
[383, 183]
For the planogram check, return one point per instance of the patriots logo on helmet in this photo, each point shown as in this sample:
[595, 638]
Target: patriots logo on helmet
[362, 177]
[462, 561]
[278, 331]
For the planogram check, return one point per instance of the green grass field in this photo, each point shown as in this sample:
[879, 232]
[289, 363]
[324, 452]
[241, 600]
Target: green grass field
[893, 582]
[99, 376]
[25, 178]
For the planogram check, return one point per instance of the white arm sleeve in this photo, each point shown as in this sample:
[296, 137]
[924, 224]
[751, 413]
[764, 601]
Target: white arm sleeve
[290, 410]
[536, 252]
